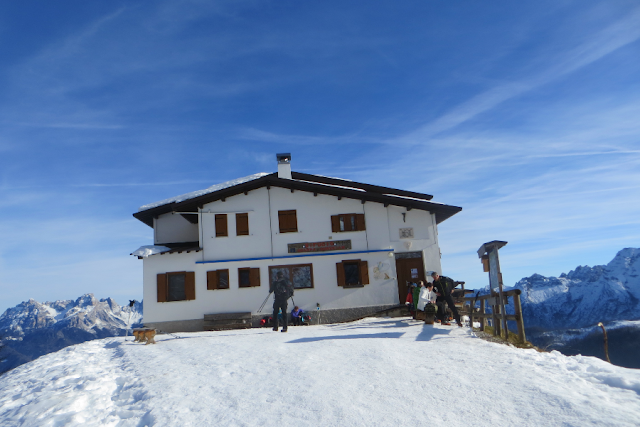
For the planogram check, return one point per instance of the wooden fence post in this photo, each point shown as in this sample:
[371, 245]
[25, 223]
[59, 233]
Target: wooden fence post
[482, 319]
[520, 321]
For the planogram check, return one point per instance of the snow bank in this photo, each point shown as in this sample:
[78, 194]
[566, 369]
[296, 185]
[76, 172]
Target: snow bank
[374, 372]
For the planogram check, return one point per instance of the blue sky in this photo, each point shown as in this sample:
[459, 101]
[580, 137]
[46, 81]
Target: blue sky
[523, 113]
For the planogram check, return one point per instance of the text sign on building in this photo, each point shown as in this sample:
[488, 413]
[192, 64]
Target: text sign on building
[331, 245]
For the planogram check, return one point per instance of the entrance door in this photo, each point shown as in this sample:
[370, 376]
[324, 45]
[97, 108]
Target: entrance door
[408, 270]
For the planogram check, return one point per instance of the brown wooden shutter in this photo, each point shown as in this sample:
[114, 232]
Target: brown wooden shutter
[212, 280]
[347, 222]
[288, 221]
[335, 223]
[364, 272]
[221, 225]
[242, 224]
[162, 287]
[255, 277]
[190, 285]
[340, 272]
[360, 224]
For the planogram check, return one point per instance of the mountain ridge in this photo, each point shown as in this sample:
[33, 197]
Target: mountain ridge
[584, 296]
[31, 328]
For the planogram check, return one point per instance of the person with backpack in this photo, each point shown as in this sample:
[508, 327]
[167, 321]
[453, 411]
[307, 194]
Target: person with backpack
[444, 285]
[282, 291]
[427, 303]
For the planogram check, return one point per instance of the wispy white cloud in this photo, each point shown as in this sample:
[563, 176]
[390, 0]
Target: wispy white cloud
[610, 39]
[265, 136]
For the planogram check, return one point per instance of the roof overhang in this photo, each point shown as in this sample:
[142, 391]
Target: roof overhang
[312, 184]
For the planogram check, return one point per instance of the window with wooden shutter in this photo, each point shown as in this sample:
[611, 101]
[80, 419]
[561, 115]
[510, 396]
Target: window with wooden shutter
[162, 287]
[218, 279]
[288, 221]
[221, 225]
[242, 224]
[347, 222]
[248, 277]
[352, 273]
[176, 286]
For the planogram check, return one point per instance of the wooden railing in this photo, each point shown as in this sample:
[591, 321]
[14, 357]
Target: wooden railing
[493, 300]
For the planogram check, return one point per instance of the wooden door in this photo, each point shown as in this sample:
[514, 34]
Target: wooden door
[408, 270]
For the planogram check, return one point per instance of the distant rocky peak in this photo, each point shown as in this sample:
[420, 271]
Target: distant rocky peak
[626, 259]
[86, 300]
[537, 281]
[586, 273]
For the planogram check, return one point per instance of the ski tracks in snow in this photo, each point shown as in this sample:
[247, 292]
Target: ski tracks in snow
[84, 385]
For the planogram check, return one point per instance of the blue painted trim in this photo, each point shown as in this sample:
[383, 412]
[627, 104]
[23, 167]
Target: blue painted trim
[295, 256]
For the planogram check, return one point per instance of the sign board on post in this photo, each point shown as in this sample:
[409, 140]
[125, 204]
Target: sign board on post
[490, 250]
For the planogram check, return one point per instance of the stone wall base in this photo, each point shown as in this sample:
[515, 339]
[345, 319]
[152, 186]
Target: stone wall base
[194, 325]
[317, 317]
[331, 316]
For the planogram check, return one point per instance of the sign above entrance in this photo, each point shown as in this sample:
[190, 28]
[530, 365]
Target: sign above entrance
[332, 245]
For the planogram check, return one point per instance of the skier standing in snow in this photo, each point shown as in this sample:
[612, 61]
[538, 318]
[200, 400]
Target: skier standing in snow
[282, 291]
[444, 286]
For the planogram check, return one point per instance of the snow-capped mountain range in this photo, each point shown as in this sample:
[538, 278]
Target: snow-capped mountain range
[584, 296]
[31, 329]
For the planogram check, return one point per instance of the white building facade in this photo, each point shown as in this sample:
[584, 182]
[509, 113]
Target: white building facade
[348, 248]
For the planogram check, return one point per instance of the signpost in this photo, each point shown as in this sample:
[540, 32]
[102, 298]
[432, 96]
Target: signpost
[488, 253]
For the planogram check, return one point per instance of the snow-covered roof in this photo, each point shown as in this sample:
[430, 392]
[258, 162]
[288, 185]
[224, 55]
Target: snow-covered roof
[148, 250]
[198, 193]
[190, 202]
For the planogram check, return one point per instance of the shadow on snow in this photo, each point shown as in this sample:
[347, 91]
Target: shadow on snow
[349, 337]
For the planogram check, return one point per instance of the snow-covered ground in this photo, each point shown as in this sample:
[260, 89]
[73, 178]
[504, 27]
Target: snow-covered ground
[374, 372]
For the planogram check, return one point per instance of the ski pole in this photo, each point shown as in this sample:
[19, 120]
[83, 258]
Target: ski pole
[126, 332]
[264, 302]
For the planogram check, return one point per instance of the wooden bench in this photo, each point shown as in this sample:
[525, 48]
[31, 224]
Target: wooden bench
[227, 321]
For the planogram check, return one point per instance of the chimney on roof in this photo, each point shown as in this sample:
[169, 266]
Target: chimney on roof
[284, 165]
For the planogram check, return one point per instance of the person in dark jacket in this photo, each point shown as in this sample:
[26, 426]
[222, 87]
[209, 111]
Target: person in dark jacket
[282, 291]
[444, 285]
